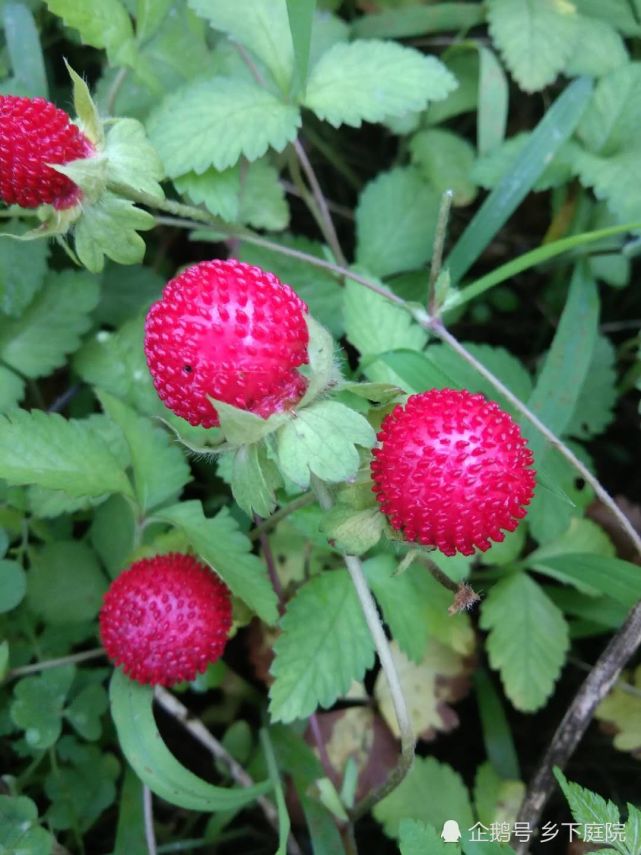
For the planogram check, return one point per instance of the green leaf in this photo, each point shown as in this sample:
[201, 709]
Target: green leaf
[535, 37]
[372, 80]
[11, 389]
[65, 583]
[85, 711]
[587, 807]
[609, 125]
[395, 222]
[613, 577]
[110, 228]
[23, 266]
[130, 832]
[132, 161]
[620, 13]
[374, 325]
[493, 102]
[13, 585]
[25, 53]
[582, 535]
[497, 736]
[599, 49]
[324, 645]
[553, 130]
[125, 291]
[489, 170]
[414, 798]
[416, 838]
[496, 799]
[322, 440]
[323, 371]
[632, 832]
[353, 531]
[252, 483]
[445, 160]
[220, 543]
[318, 288]
[528, 639]
[213, 122]
[45, 449]
[51, 326]
[160, 470]
[559, 384]
[38, 704]
[112, 533]
[301, 22]
[143, 746]
[104, 24]
[405, 21]
[260, 25]
[20, 830]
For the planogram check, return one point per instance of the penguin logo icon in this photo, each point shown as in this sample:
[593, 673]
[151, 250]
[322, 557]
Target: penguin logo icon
[451, 832]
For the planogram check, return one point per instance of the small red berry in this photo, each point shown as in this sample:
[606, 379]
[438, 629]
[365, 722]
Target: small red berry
[230, 331]
[452, 470]
[165, 619]
[34, 133]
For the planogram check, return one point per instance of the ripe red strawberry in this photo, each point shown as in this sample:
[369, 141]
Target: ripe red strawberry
[452, 471]
[165, 619]
[34, 133]
[231, 331]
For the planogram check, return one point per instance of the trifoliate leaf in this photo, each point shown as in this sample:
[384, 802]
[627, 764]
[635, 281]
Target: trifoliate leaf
[587, 807]
[321, 440]
[45, 449]
[109, 227]
[599, 49]
[323, 647]
[260, 25]
[214, 122]
[13, 585]
[395, 222]
[104, 24]
[22, 269]
[535, 37]
[621, 710]
[20, 830]
[219, 542]
[528, 639]
[159, 467]
[38, 704]
[51, 326]
[369, 80]
[445, 160]
[414, 798]
[249, 194]
[65, 584]
[132, 161]
[428, 687]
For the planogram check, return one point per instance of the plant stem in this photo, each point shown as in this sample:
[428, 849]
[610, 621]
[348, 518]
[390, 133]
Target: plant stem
[36, 667]
[295, 505]
[408, 742]
[437, 252]
[148, 813]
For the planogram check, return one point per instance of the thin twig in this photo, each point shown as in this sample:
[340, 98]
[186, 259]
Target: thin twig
[437, 252]
[72, 659]
[271, 565]
[197, 729]
[115, 88]
[341, 210]
[295, 505]
[575, 722]
[148, 813]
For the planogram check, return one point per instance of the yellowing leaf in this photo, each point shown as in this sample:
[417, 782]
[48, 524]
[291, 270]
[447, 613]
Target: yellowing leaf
[621, 709]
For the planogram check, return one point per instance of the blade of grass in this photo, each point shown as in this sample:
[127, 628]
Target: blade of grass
[497, 736]
[549, 135]
[284, 825]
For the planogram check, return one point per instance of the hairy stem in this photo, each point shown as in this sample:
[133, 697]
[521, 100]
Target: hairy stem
[437, 251]
[72, 659]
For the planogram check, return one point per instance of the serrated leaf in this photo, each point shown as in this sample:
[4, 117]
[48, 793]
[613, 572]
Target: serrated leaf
[45, 449]
[535, 37]
[609, 123]
[587, 807]
[132, 161]
[599, 49]
[102, 24]
[160, 470]
[414, 798]
[445, 160]
[22, 269]
[143, 746]
[38, 704]
[11, 389]
[395, 222]
[322, 440]
[220, 543]
[617, 579]
[527, 641]
[428, 687]
[582, 535]
[323, 647]
[110, 228]
[369, 80]
[51, 326]
[416, 838]
[214, 122]
[260, 25]
[65, 583]
[251, 484]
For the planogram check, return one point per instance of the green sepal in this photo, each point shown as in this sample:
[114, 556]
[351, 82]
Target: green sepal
[240, 427]
[132, 161]
[353, 531]
[323, 370]
[86, 110]
[254, 478]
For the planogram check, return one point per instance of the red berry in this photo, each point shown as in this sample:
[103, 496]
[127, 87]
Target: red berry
[34, 133]
[452, 471]
[165, 619]
[231, 331]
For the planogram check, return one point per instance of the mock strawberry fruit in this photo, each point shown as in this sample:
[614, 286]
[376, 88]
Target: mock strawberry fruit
[165, 619]
[452, 471]
[33, 134]
[229, 331]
